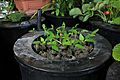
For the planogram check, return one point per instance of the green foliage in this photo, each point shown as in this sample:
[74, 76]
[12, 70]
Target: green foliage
[86, 11]
[8, 11]
[15, 17]
[65, 37]
[116, 52]
[113, 7]
[62, 7]
[107, 10]
[8, 5]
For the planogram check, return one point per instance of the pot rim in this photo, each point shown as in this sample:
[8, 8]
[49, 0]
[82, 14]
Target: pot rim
[25, 55]
[107, 26]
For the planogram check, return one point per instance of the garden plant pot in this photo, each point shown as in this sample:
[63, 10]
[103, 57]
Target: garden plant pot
[58, 20]
[35, 67]
[109, 31]
[30, 5]
[9, 33]
[113, 71]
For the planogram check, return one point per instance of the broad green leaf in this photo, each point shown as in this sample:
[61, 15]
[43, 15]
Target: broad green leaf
[88, 15]
[101, 5]
[75, 12]
[115, 4]
[116, 20]
[85, 7]
[116, 52]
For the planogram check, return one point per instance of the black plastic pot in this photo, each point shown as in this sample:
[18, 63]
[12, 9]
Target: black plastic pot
[114, 71]
[110, 32]
[35, 67]
[58, 20]
[9, 33]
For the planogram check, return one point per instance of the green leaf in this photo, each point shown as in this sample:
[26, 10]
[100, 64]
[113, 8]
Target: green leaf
[95, 31]
[54, 47]
[101, 5]
[88, 15]
[115, 4]
[84, 31]
[72, 41]
[116, 52]
[97, 0]
[15, 17]
[81, 37]
[57, 12]
[89, 40]
[52, 12]
[52, 43]
[63, 25]
[49, 38]
[51, 34]
[116, 20]
[42, 39]
[75, 12]
[36, 42]
[85, 7]
[79, 46]
[66, 42]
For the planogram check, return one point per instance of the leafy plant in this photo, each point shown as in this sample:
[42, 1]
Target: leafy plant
[62, 7]
[62, 38]
[87, 10]
[15, 17]
[8, 6]
[116, 52]
[7, 10]
[107, 10]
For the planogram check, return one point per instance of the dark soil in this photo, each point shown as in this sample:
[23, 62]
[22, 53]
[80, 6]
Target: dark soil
[65, 53]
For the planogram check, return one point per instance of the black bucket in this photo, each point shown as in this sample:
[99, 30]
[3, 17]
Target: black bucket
[9, 33]
[35, 67]
[109, 31]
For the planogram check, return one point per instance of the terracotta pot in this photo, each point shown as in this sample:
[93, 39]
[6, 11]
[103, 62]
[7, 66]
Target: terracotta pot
[30, 5]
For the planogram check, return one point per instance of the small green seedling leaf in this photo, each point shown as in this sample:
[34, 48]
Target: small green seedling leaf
[81, 37]
[79, 46]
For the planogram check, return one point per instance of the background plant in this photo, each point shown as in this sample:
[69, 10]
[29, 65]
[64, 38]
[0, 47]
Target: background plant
[62, 7]
[107, 10]
[87, 9]
[8, 6]
[111, 12]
